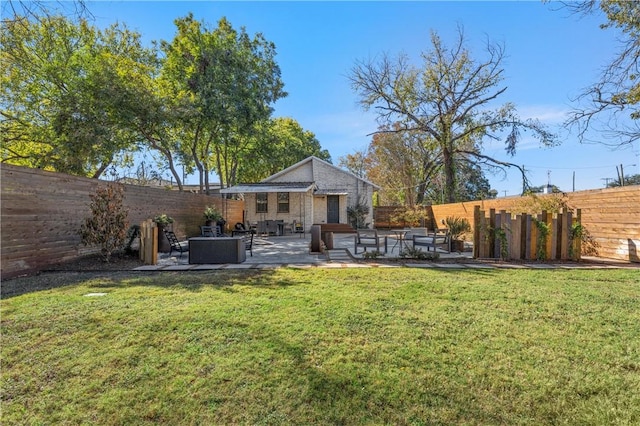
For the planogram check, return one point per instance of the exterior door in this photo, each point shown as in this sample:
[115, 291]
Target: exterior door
[333, 209]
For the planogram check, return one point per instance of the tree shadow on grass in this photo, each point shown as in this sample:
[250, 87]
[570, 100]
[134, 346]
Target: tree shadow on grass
[191, 281]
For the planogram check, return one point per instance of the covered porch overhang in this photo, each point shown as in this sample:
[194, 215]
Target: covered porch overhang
[270, 187]
[323, 192]
[298, 206]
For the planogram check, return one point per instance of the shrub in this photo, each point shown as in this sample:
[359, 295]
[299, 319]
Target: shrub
[416, 253]
[411, 216]
[457, 226]
[212, 214]
[357, 215]
[108, 223]
[163, 219]
[372, 254]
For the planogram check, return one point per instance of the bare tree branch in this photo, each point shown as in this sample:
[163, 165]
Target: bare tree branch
[610, 105]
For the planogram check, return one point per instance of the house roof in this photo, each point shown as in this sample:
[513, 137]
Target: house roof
[331, 192]
[270, 187]
[314, 158]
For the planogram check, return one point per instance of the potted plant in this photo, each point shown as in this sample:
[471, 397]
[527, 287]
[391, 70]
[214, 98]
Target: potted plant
[458, 226]
[213, 215]
[162, 220]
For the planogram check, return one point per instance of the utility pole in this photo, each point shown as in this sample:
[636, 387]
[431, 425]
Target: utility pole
[606, 181]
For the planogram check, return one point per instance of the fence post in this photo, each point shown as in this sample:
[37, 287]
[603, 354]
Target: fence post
[516, 240]
[492, 228]
[567, 218]
[497, 225]
[476, 231]
[529, 237]
[577, 241]
[547, 218]
[149, 242]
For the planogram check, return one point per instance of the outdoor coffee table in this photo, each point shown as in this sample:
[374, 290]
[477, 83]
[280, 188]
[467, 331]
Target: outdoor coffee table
[217, 250]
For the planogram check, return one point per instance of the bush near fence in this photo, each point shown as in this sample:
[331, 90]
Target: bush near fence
[41, 214]
[611, 216]
[385, 217]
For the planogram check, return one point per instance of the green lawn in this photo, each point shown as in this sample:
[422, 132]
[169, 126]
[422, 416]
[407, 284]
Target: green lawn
[352, 346]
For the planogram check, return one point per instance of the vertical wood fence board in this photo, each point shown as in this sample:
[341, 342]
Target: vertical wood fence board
[567, 220]
[492, 225]
[553, 253]
[577, 242]
[533, 246]
[611, 216]
[514, 241]
[521, 232]
[476, 231]
[496, 242]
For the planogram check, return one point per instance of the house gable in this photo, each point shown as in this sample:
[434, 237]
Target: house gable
[313, 169]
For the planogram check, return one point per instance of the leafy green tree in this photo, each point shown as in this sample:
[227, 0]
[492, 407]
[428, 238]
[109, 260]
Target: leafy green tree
[279, 144]
[400, 164]
[222, 83]
[448, 100]
[628, 180]
[611, 104]
[540, 189]
[408, 168]
[64, 87]
[355, 163]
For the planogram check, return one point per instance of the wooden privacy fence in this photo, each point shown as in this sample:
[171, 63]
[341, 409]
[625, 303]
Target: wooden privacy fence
[544, 236]
[41, 213]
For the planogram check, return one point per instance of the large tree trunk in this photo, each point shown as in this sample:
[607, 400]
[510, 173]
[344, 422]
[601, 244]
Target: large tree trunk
[449, 176]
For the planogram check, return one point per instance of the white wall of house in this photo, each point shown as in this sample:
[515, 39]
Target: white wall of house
[328, 179]
[300, 208]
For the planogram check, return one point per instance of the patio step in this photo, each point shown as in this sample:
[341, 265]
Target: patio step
[339, 255]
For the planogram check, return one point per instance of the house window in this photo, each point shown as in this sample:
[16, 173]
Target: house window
[261, 202]
[283, 202]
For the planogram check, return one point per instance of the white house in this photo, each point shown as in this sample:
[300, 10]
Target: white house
[310, 192]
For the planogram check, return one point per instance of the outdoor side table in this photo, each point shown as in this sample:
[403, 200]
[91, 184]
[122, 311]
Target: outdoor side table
[400, 236]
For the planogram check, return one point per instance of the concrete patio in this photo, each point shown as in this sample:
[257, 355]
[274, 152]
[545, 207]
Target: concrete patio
[294, 251]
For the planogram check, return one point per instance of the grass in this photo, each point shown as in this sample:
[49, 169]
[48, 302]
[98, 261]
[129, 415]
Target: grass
[356, 346]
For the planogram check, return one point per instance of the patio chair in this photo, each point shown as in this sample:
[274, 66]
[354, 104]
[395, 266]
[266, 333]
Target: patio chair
[369, 238]
[175, 244]
[248, 241]
[272, 227]
[287, 228]
[210, 231]
[439, 238]
[262, 227]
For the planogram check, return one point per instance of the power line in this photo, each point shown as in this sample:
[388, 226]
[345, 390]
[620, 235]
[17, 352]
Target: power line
[571, 168]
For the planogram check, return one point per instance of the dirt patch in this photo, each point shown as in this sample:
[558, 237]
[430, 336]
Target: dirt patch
[119, 262]
[72, 272]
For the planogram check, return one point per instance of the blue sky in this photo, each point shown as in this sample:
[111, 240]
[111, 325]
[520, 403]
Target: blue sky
[551, 56]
